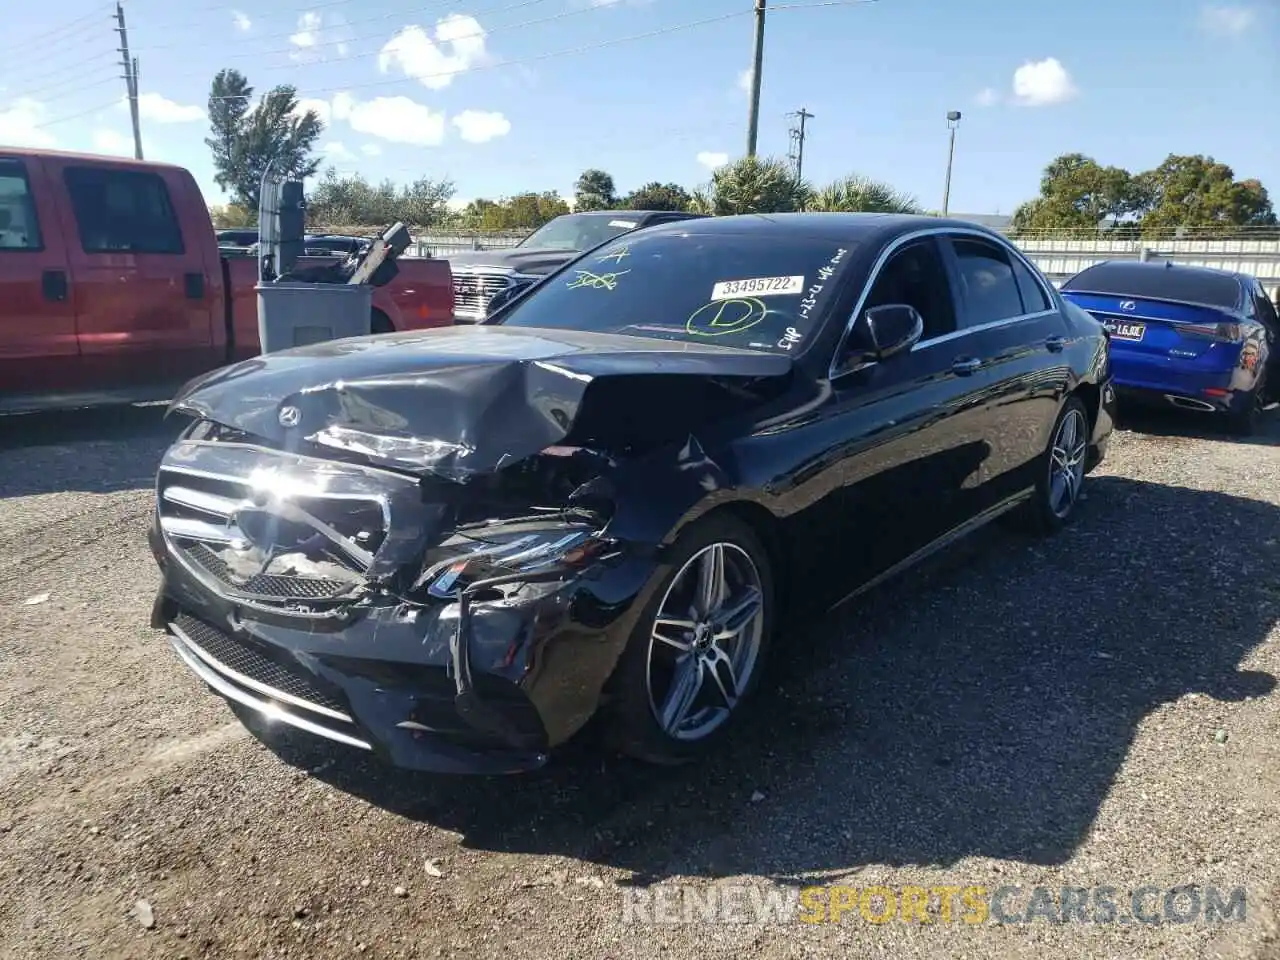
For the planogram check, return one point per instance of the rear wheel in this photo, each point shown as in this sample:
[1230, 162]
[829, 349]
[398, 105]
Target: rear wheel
[693, 662]
[1244, 422]
[1060, 471]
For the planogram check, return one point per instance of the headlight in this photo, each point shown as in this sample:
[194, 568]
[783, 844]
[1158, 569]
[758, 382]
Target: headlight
[503, 550]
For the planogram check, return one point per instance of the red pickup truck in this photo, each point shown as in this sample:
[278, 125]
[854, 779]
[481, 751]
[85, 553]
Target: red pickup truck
[112, 288]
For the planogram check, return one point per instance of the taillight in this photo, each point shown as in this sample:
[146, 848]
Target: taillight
[1228, 332]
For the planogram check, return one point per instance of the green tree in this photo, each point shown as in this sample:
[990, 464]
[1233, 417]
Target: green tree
[525, 211]
[594, 190]
[756, 185]
[1201, 193]
[351, 200]
[1078, 192]
[857, 194]
[658, 196]
[246, 139]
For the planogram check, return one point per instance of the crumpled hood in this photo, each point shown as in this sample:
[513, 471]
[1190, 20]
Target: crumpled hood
[456, 401]
[535, 262]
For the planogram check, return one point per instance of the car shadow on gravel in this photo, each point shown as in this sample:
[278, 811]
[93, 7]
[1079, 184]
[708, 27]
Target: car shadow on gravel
[980, 706]
[1159, 422]
[100, 450]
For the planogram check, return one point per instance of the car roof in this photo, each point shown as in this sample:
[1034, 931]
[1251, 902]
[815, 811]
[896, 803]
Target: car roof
[869, 227]
[1142, 268]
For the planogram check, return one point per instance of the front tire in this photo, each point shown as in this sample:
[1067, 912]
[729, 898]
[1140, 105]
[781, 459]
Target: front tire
[693, 661]
[1060, 471]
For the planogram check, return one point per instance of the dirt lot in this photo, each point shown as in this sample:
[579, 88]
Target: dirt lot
[1096, 710]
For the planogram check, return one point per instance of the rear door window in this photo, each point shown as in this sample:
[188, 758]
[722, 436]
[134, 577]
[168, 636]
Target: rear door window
[1141, 281]
[19, 225]
[1033, 295]
[988, 285]
[123, 211]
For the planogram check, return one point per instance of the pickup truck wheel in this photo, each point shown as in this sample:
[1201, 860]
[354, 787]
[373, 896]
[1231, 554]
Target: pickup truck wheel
[693, 662]
[380, 322]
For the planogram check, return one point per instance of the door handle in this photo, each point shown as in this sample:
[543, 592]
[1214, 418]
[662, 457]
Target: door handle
[53, 284]
[966, 365]
[1056, 343]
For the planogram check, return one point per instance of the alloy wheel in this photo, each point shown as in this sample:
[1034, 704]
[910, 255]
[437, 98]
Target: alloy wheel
[705, 641]
[1066, 463]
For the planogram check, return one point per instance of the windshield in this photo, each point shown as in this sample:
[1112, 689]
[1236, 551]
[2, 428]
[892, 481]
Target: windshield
[1144, 282]
[738, 290]
[578, 232]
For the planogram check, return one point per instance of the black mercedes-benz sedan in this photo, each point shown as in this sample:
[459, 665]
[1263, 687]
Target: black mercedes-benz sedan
[455, 547]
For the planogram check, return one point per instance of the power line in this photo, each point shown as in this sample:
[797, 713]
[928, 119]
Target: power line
[69, 71]
[76, 116]
[77, 25]
[72, 86]
[398, 15]
[572, 51]
[472, 35]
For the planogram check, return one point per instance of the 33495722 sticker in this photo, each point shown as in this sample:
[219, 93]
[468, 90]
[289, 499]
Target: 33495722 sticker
[757, 287]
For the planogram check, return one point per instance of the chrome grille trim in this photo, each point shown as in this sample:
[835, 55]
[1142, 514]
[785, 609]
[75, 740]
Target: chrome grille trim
[223, 685]
[252, 684]
[207, 492]
[488, 283]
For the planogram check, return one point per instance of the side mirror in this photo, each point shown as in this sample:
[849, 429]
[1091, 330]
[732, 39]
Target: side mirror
[884, 331]
[503, 297]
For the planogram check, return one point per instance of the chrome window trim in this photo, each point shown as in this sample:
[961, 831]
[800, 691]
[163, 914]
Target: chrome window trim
[921, 234]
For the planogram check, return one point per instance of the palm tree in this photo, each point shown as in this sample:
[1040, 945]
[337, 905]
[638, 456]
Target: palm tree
[753, 185]
[857, 194]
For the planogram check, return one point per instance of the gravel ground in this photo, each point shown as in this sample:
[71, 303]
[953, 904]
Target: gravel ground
[1095, 710]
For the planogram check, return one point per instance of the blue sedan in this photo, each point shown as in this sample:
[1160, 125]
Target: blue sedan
[1190, 337]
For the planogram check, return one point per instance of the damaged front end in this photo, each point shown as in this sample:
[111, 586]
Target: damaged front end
[412, 546]
[399, 614]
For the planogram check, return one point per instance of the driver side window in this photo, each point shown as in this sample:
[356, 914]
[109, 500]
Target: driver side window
[915, 275]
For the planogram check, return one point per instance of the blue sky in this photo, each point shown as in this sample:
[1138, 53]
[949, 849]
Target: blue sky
[503, 96]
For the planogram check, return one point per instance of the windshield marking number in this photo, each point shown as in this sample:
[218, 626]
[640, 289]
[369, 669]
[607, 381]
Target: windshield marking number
[824, 274]
[790, 338]
[596, 281]
[717, 324]
[757, 287]
[616, 255]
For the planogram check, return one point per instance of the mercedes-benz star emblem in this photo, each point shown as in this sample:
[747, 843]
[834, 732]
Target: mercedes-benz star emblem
[1125, 305]
[290, 416]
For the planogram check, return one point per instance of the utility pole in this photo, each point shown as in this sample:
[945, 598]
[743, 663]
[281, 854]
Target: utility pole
[953, 121]
[130, 78]
[796, 153]
[753, 120]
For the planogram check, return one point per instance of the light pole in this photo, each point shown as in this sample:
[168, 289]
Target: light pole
[953, 121]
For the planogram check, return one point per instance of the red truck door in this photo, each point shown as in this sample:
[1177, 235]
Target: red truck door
[144, 300]
[38, 348]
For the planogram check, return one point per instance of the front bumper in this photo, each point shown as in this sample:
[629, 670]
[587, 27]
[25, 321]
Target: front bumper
[381, 675]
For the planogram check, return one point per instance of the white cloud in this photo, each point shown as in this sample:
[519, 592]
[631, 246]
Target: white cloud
[335, 150]
[458, 45]
[371, 150]
[744, 79]
[321, 108]
[158, 109]
[398, 120]
[1041, 83]
[342, 104]
[1226, 19]
[712, 160]
[20, 124]
[457, 204]
[479, 126]
[987, 97]
[241, 21]
[113, 142]
[316, 30]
